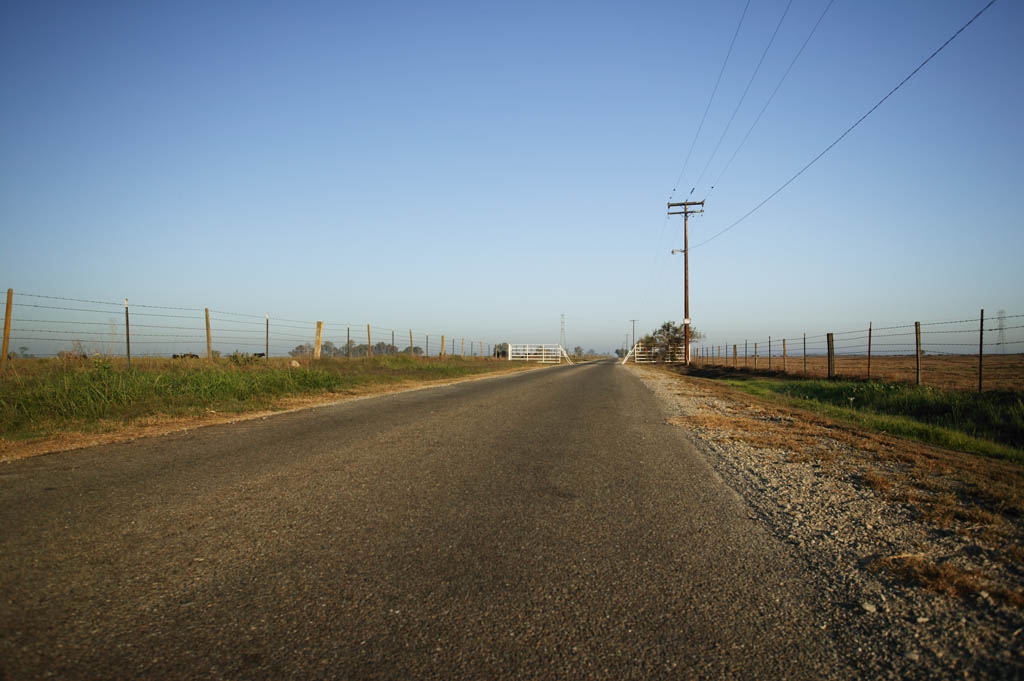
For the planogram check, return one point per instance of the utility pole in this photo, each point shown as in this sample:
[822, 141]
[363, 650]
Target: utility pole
[634, 331]
[686, 212]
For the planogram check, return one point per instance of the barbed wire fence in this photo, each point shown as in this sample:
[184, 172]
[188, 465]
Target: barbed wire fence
[60, 326]
[979, 352]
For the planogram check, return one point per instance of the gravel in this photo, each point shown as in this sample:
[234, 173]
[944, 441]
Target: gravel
[839, 527]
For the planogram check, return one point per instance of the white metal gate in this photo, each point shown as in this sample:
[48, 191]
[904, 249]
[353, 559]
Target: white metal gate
[642, 354]
[531, 352]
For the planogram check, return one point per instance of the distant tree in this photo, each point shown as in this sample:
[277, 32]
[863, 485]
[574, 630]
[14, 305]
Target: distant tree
[416, 350]
[304, 350]
[382, 348]
[621, 352]
[329, 349]
[668, 335]
[591, 351]
[348, 349]
[577, 351]
[23, 351]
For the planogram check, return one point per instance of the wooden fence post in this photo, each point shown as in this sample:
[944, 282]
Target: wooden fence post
[744, 354]
[755, 355]
[869, 350]
[209, 338]
[783, 355]
[481, 348]
[411, 353]
[769, 353]
[442, 346]
[266, 354]
[127, 335]
[734, 356]
[426, 350]
[7, 330]
[831, 356]
[394, 350]
[463, 352]
[981, 345]
[318, 339]
[348, 341]
[369, 342]
[917, 352]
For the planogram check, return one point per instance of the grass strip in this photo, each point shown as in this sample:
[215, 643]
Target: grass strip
[43, 397]
[991, 424]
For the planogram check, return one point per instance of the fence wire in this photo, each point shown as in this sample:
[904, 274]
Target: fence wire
[52, 326]
[962, 353]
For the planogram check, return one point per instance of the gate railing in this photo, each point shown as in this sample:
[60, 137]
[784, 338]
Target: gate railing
[533, 352]
[646, 354]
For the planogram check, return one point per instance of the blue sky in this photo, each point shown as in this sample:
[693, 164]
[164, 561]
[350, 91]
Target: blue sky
[481, 168]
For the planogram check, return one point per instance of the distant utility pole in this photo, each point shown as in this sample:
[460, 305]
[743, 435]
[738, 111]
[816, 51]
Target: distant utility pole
[634, 331]
[561, 339]
[686, 212]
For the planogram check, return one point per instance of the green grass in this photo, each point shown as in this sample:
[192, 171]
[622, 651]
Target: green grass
[990, 423]
[41, 397]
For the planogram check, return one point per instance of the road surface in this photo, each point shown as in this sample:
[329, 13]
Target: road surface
[546, 525]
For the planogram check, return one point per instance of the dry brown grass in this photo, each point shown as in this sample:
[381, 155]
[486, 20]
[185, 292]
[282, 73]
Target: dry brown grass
[993, 485]
[877, 480]
[1001, 372]
[974, 496]
[945, 577]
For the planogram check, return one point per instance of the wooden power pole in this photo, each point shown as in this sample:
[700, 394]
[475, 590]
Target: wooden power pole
[686, 212]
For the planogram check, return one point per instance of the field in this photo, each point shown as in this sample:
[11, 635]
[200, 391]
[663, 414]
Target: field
[41, 398]
[989, 423]
[958, 372]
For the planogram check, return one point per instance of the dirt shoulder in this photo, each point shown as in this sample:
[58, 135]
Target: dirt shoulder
[920, 546]
[112, 431]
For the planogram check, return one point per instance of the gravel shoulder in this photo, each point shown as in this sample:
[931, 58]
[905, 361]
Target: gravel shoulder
[918, 549]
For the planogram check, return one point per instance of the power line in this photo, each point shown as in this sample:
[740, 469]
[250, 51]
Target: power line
[710, 100]
[770, 98]
[743, 96]
[848, 130]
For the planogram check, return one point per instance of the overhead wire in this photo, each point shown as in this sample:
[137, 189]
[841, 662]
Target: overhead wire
[848, 130]
[764, 108]
[710, 100]
[659, 260]
[743, 97]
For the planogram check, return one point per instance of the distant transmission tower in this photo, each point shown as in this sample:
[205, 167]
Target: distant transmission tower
[561, 340]
[1001, 328]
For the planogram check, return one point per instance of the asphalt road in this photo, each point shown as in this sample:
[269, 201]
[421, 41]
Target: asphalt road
[546, 525]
